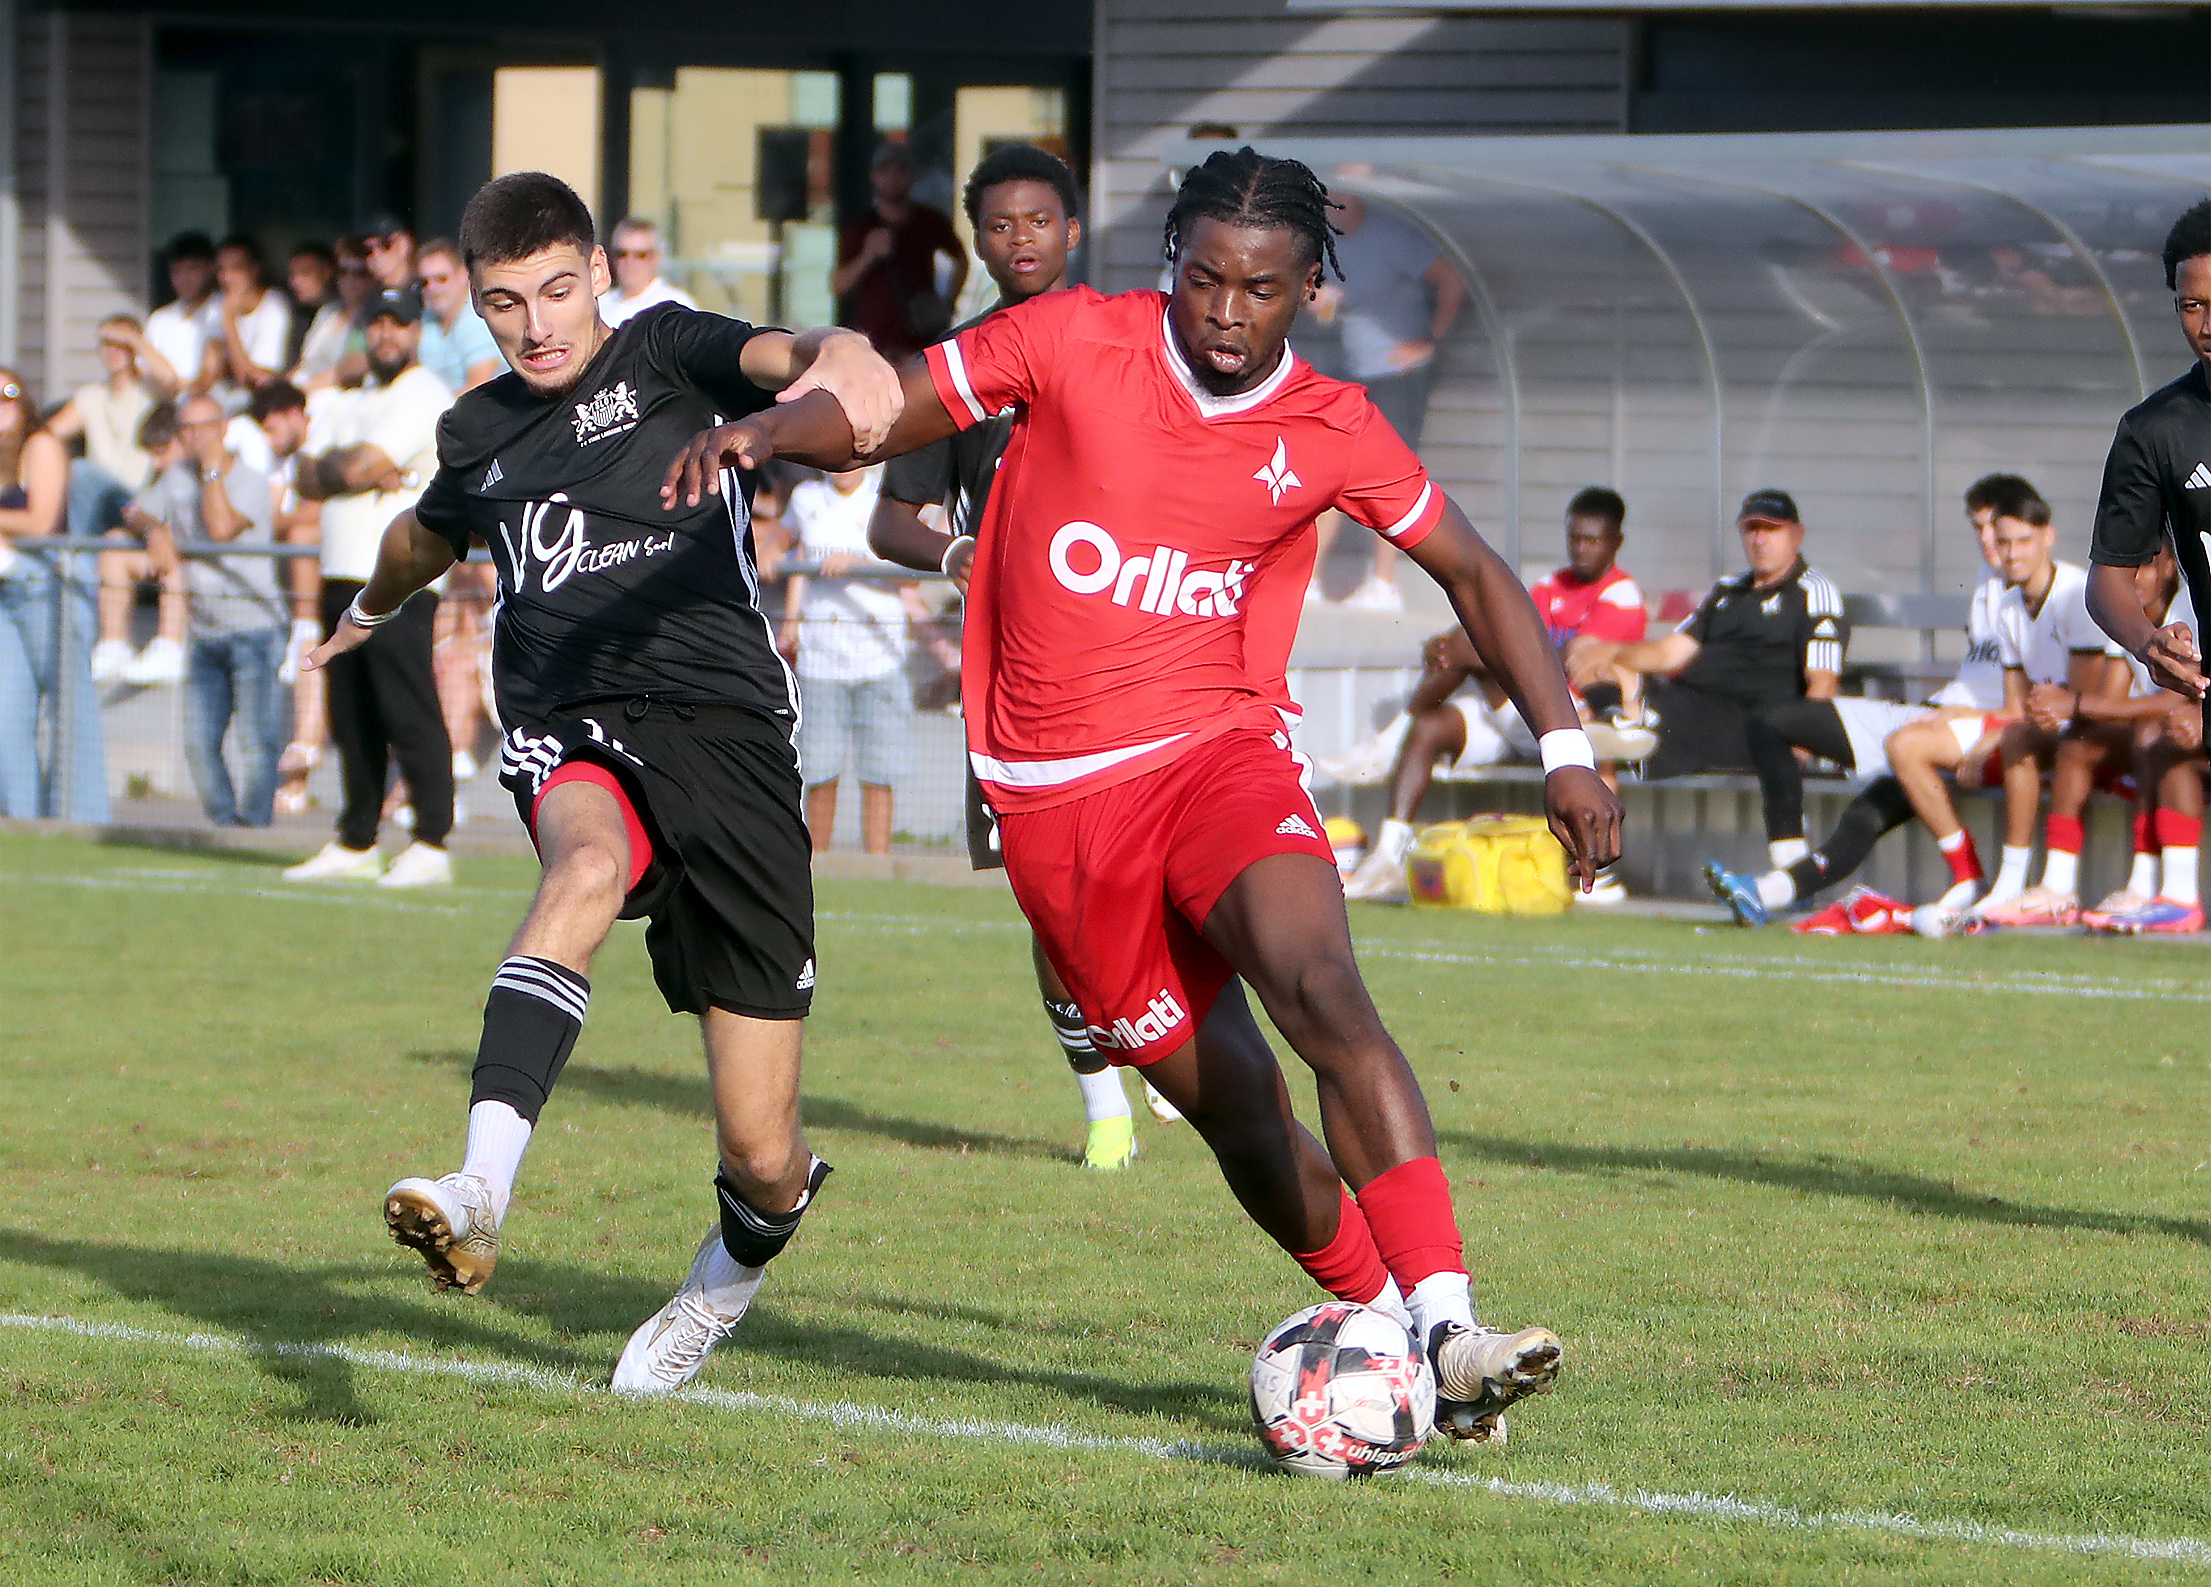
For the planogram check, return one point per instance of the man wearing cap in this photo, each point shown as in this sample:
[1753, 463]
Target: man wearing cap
[368, 456]
[1772, 632]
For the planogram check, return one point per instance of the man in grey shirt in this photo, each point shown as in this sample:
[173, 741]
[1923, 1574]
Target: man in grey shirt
[238, 618]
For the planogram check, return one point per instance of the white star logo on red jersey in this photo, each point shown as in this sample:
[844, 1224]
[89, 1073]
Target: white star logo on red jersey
[1276, 476]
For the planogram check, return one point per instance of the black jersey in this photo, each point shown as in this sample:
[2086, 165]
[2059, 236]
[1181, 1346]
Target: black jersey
[2157, 484]
[1756, 645]
[602, 593]
[956, 471]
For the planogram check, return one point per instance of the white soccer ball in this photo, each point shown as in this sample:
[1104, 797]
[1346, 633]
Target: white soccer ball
[1932, 920]
[1342, 1391]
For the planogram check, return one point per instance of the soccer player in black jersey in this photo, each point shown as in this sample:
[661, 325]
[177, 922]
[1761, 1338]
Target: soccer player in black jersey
[1022, 203]
[2157, 482]
[649, 728]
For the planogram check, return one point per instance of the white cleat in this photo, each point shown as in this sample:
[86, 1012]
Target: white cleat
[1480, 1372]
[334, 862]
[162, 661]
[1163, 1110]
[418, 865]
[670, 1346]
[109, 658]
[1380, 878]
[451, 1222]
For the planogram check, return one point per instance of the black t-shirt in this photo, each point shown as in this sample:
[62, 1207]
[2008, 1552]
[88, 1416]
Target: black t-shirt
[2157, 484]
[1756, 645]
[956, 471]
[602, 594]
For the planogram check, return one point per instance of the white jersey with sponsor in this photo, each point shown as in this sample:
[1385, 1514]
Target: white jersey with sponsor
[2043, 643]
[1979, 685]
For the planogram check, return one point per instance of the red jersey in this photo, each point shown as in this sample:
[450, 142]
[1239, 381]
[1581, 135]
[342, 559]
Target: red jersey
[1609, 608]
[1142, 562]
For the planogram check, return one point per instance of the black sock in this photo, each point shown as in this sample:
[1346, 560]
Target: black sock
[1875, 813]
[531, 1021]
[753, 1237]
[1073, 1032]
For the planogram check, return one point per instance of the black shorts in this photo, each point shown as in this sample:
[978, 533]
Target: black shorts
[730, 894]
[984, 852]
[1697, 731]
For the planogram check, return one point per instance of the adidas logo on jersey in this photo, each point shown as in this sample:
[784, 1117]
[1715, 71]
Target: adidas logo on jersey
[492, 475]
[2201, 478]
[1161, 1015]
[805, 982]
[1296, 827]
[609, 412]
[1168, 585]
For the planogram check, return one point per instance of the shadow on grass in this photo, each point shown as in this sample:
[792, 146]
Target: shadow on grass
[188, 845]
[1916, 1193]
[688, 1098]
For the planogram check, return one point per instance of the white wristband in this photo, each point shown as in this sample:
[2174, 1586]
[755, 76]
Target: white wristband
[1566, 746]
[363, 619]
[945, 567]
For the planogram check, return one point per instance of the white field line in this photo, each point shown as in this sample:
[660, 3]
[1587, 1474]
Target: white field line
[871, 1418]
[351, 899]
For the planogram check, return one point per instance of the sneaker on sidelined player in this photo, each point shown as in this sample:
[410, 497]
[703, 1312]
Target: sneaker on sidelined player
[2037, 906]
[670, 1346]
[2123, 902]
[1480, 1371]
[2160, 917]
[452, 1222]
[1112, 1144]
[1380, 878]
[1739, 893]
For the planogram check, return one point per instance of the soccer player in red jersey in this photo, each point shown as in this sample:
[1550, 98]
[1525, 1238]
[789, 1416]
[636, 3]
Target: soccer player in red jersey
[1136, 585]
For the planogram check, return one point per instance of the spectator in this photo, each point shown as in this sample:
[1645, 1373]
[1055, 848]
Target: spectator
[637, 283]
[886, 275]
[238, 617]
[370, 453]
[1774, 632]
[123, 570]
[456, 345]
[1396, 303]
[34, 662]
[179, 333]
[279, 415]
[318, 312]
[388, 248]
[849, 636]
[105, 416]
[1459, 713]
[255, 341]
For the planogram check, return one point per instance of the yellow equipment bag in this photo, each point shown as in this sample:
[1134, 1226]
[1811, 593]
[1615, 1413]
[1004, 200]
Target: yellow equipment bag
[1495, 865]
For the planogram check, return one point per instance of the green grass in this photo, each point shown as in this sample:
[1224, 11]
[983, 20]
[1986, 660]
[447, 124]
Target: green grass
[1829, 1226]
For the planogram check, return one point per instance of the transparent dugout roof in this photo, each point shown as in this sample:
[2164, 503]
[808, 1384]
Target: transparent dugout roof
[1868, 321]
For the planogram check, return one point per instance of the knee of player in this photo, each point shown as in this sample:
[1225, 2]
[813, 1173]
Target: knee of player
[589, 875]
[764, 1168]
[1328, 994]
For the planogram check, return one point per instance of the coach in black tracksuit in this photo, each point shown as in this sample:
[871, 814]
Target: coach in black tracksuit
[2157, 480]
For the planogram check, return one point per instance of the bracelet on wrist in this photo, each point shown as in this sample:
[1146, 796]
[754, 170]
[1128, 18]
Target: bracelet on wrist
[365, 619]
[1566, 746]
[945, 566]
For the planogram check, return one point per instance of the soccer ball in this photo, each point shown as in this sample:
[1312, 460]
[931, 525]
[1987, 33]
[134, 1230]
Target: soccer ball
[1342, 1391]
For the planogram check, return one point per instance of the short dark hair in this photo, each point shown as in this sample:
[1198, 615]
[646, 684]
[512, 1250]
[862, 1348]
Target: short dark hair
[315, 250]
[1248, 188]
[159, 427]
[2189, 239]
[1020, 162]
[240, 242]
[448, 247]
[1595, 501]
[514, 216]
[1991, 489]
[278, 396]
[2022, 501]
[189, 245]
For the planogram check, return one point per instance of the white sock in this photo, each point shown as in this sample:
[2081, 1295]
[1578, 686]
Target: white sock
[2143, 878]
[1396, 840]
[1959, 897]
[1782, 853]
[1102, 1096]
[2011, 875]
[727, 1283]
[1777, 889]
[497, 1138]
[1440, 1298]
[2061, 871]
[2180, 876]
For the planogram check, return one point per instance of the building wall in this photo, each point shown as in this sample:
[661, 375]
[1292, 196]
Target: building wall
[1254, 69]
[80, 94]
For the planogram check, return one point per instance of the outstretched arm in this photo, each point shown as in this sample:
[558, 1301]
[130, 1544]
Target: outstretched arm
[811, 430]
[407, 560]
[841, 362]
[1509, 637]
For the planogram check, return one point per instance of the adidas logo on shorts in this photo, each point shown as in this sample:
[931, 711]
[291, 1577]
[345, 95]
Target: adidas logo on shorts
[805, 978]
[1296, 827]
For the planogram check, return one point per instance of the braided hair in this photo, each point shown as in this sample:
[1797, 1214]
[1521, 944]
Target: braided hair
[1248, 188]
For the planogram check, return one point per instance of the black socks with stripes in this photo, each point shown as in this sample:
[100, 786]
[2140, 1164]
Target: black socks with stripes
[531, 1021]
[753, 1237]
[1073, 1032]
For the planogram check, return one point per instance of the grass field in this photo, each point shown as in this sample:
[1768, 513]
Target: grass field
[1898, 1246]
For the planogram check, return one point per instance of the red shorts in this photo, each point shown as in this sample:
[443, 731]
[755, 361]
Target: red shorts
[1117, 884]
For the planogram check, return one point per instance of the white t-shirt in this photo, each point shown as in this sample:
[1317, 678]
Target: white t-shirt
[111, 430]
[182, 337]
[614, 308]
[2044, 643]
[1979, 685]
[267, 331]
[400, 419]
[849, 629]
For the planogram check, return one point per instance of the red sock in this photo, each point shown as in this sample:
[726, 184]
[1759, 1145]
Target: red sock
[1348, 1267]
[2176, 831]
[1409, 1208]
[2062, 833]
[2144, 825]
[1959, 854]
